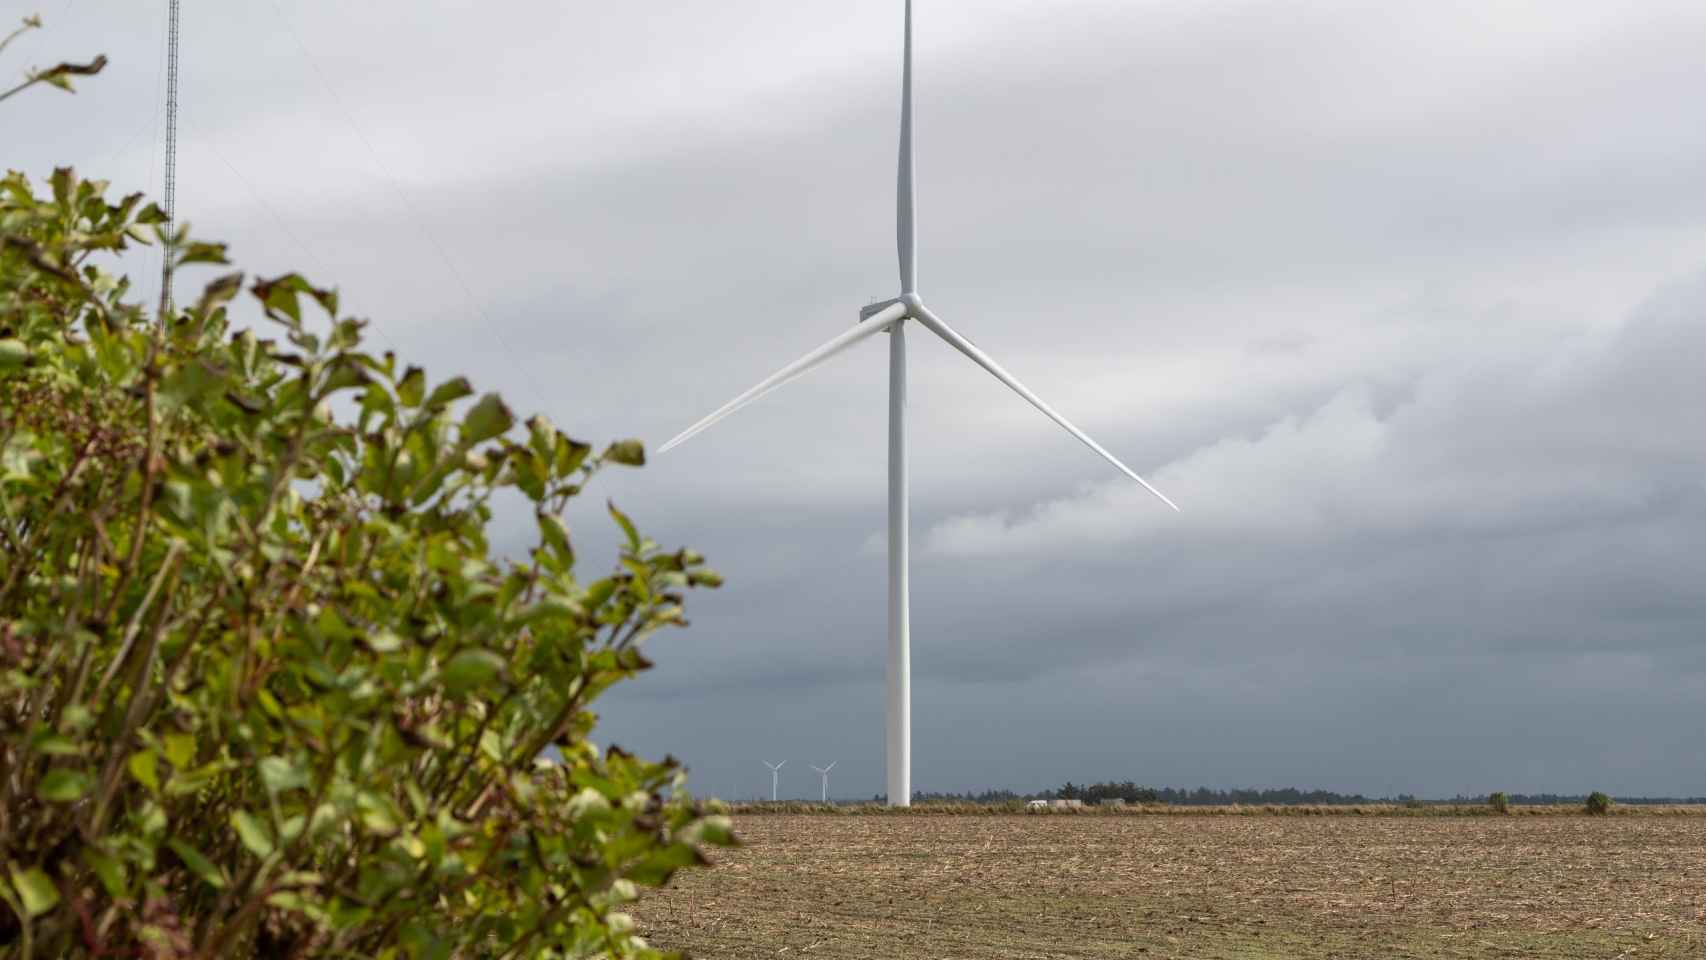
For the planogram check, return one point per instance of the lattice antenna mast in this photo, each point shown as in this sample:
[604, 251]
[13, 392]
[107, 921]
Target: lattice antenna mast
[171, 182]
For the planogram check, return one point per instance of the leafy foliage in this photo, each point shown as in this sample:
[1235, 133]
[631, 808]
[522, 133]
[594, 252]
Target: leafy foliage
[1598, 804]
[1498, 802]
[265, 690]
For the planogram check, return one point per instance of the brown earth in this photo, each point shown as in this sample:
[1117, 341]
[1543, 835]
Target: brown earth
[1206, 888]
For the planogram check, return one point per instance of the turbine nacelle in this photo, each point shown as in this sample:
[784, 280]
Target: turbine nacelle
[870, 310]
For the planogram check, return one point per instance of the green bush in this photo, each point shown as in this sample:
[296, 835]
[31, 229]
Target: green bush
[265, 689]
[1598, 804]
[1499, 802]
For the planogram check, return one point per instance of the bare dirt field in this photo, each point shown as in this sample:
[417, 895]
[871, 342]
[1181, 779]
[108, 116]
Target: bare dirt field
[1205, 888]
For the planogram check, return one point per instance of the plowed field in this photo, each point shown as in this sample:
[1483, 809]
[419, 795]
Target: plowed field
[1205, 888]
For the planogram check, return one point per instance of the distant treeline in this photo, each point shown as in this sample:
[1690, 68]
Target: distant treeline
[1131, 792]
[986, 797]
[1577, 799]
[1204, 797]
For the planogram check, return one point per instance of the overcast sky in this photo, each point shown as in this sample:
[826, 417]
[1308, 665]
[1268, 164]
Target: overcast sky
[1402, 303]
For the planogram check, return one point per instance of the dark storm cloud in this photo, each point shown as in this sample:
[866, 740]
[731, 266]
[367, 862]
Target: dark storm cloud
[1404, 306]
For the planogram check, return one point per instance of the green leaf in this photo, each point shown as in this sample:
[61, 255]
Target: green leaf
[422, 943]
[717, 829]
[531, 472]
[77, 718]
[555, 533]
[346, 335]
[448, 392]
[288, 900]
[143, 767]
[218, 293]
[343, 376]
[488, 418]
[180, 749]
[202, 253]
[541, 435]
[470, 669]
[378, 814]
[63, 785]
[571, 454]
[598, 593]
[198, 864]
[253, 833]
[626, 524]
[412, 387]
[279, 295]
[657, 868]
[291, 828]
[190, 383]
[383, 641]
[13, 354]
[630, 453]
[50, 744]
[191, 781]
[280, 775]
[110, 870]
[36, 889]
[64, 179]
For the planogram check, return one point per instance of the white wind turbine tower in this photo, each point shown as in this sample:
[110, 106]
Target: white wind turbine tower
[775, 772]
[891, 317]
[825, 772]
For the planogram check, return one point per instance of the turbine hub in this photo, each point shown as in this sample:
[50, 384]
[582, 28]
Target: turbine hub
[913, 302]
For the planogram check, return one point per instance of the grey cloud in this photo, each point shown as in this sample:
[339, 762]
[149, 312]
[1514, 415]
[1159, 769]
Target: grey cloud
[1387, 296]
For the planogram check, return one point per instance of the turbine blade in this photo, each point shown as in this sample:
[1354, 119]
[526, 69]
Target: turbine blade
[905, 235]
[876, 324]
[983, 360]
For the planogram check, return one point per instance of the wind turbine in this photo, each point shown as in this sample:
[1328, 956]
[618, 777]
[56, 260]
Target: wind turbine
[825, 772]
[891, 316]
[775, 769]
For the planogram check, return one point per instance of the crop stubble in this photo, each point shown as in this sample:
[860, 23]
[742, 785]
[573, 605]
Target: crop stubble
[1212, 888]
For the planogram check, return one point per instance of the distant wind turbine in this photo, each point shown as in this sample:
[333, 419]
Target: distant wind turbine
[890, 316]
[825, 772]
[775, 769]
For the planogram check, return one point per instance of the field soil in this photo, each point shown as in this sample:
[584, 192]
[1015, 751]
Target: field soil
[1205, 888]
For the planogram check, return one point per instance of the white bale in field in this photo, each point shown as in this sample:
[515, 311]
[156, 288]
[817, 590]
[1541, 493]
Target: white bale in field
[1067, 804]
